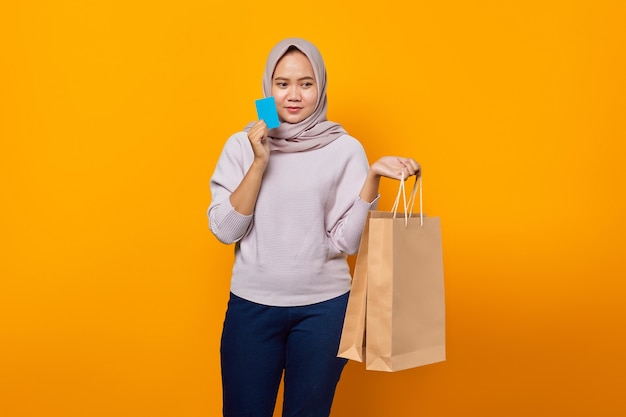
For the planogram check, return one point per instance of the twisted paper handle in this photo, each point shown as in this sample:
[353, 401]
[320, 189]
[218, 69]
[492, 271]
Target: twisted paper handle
[411, 202]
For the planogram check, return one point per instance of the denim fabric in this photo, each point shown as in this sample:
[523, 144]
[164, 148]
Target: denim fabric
[259, 342]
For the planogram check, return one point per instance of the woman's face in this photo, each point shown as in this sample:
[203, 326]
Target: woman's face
[294, 87]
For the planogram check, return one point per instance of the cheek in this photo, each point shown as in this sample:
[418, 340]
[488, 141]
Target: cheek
[311, 101]
[277, 93]
[311, 96]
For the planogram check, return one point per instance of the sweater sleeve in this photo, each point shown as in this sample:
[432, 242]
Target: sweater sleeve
[225, 222]
[346, 236]
[346, 219]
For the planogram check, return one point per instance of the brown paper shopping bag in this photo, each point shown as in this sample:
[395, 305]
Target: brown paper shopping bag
[405, 319]
[352, 345]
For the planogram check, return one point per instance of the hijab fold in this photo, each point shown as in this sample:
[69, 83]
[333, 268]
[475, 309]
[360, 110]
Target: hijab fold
[315, 131]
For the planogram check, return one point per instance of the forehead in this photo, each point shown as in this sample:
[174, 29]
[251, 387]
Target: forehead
[293, 64]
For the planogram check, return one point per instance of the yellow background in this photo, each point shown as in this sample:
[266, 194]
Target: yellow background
[113, 114]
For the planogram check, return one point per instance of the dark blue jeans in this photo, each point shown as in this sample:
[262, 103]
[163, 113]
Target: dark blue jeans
[259, 342]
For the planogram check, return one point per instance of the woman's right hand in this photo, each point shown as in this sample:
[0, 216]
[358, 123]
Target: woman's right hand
[257, 135]
[243, 198]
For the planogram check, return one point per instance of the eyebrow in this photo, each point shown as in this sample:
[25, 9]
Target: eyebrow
[299, 79]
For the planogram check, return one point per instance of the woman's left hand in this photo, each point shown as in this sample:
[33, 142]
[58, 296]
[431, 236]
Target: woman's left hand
[396, 167]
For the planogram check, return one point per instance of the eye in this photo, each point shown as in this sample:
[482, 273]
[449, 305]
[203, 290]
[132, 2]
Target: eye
[281, 84]
[307, 84]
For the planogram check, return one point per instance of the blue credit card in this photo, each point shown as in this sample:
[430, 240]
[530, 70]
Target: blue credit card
[266, 110]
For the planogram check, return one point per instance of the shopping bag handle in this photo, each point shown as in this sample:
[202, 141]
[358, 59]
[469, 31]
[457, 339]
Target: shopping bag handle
[408, 207]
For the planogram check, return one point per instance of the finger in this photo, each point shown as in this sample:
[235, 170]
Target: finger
[414, 166]
[409, 173]
[258, 131]
[408, 166]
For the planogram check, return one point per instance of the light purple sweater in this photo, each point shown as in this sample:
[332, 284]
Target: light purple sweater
[308, 217]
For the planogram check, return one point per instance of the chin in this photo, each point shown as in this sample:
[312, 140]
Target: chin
[291, 121]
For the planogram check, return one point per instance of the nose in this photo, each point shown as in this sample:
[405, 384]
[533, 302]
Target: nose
[294, 93]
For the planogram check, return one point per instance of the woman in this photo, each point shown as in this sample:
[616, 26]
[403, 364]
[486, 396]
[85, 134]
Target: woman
[294, 199]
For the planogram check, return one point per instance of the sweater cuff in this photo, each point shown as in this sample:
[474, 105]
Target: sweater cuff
[370, 206]
[227, 224]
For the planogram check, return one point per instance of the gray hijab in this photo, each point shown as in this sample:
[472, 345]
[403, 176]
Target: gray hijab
[315, 131]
